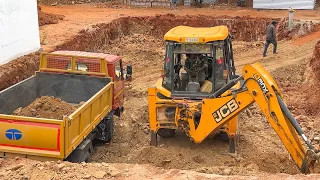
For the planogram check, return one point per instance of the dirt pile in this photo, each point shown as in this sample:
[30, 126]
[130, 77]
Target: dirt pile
[46, 107]
[313, 73]
[45, 18]
[312, 84]
[300, 28]
[19, 168]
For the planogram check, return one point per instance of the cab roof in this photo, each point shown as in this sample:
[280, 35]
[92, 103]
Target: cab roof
[187, 34]
[108, 57]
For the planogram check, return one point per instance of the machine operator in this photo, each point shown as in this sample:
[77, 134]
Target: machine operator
[196, 68]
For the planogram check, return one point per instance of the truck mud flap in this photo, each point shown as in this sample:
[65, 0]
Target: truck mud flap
[105, 130]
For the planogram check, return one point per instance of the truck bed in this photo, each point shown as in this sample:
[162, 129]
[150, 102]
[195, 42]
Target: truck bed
[52, 138]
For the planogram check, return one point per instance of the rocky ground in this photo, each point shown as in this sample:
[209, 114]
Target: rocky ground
[139, 40]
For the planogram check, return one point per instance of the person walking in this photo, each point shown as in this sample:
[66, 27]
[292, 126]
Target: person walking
[270, 38]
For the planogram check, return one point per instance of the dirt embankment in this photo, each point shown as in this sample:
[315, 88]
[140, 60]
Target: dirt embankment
[242, 29]
[312, 85]
[18, 70]
[45, 18]
[299, 29]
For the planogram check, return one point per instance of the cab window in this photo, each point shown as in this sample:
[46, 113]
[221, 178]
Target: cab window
[79, 67]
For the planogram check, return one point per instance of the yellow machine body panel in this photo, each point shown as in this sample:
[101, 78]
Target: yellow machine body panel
[158, 120]
[186, 34]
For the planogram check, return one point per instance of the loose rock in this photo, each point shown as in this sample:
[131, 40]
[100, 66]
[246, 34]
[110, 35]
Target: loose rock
[99, 174]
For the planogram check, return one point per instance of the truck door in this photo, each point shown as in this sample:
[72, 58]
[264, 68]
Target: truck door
[118, 85]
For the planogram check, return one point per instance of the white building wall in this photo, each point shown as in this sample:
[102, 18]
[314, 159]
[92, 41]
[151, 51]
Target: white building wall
[19, 30]
[283, 4]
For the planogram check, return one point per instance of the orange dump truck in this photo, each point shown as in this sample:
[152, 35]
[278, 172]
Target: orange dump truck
[73, 76]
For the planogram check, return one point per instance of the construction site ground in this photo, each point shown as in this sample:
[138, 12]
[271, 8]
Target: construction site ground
[137, 35]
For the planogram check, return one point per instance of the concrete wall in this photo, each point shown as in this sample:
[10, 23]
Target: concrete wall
[283, 4]
[19, 30]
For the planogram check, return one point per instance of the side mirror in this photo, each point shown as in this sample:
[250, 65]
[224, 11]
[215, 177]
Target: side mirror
[129, 69]
[129, 73]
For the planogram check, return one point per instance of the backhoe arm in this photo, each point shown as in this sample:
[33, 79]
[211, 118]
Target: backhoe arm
[266, 94]
[262, 89]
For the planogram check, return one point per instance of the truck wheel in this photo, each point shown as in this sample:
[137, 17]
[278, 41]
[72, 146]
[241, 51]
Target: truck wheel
[109, 129]
[166, 133]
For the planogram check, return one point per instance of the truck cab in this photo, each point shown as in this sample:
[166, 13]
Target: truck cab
[98, 64]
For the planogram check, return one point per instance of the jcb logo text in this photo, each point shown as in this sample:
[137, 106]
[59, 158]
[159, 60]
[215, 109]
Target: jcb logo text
[261, 83]
[225, 110]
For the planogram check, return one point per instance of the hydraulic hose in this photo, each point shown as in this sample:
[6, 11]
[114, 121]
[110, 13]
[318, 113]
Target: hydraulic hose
[225, 88]
[294, 122]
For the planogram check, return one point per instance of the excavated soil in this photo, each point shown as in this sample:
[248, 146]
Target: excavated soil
[18, 70]
[242, 29]
[19, 168]
[312, 84]
[47, 107]
[139, 40]
[259, 148]
[45, 18]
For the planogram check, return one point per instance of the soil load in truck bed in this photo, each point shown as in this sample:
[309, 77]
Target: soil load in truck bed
[69, 88]
[47, 107]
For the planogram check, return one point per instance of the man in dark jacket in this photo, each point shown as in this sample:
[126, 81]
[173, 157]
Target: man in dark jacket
[270, 38]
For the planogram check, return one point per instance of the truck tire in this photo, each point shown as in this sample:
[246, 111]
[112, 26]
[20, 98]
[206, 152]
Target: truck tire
[110, 126]
[166, 133]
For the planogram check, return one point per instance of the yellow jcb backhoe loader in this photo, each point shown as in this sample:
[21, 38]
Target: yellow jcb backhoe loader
[200, 93]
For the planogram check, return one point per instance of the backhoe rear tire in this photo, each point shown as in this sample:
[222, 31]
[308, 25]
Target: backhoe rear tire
[166, 133]
[232, 145]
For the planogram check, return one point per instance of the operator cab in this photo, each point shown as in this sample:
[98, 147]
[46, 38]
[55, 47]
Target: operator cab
[198, 61]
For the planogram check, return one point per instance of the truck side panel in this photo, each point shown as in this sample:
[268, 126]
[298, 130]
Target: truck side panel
[40, 137]
[87, 117]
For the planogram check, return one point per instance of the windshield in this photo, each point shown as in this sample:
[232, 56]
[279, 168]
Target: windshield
[192, 49]
[194, 68]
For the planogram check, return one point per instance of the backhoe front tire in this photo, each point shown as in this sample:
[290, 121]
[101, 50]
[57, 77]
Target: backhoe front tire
[154, 140]
[166, 133]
